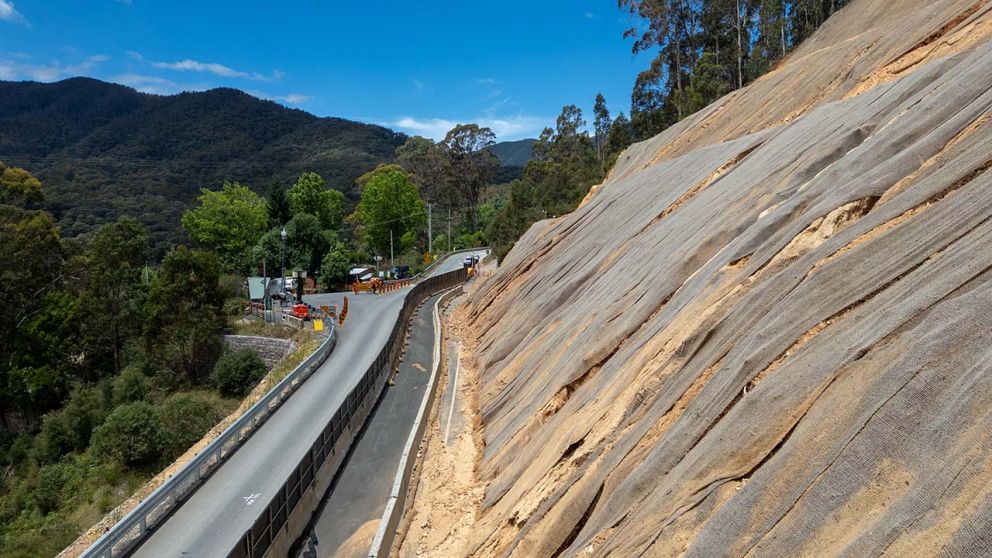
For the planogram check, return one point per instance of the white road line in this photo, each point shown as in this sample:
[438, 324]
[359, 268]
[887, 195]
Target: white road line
[454, 393]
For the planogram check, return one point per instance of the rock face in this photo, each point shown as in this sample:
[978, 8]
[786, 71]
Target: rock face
[769, 333]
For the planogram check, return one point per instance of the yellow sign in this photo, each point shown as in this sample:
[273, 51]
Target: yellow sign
[318, 325]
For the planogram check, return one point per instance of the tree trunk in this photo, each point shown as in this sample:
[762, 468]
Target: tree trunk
[781, 23]
[740, 53]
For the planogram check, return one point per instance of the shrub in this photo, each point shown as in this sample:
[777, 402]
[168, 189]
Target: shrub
[236, 373]
[56, 484]
[131, 385]
[70, 428]
[132, 435]
[185, 418]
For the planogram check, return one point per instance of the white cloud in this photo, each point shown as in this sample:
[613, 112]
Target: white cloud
[294, 98]
[288, 99]
[189, 65]
[54, 71]
[7, 72]
[8, 13]
[506, 128]
[128, 2]
[486, 81]
[150, 84]
[590, 15]
[418, 85]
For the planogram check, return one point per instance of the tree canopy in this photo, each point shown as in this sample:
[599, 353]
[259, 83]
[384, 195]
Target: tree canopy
[390, 205]
[311, 195]
[229, 222]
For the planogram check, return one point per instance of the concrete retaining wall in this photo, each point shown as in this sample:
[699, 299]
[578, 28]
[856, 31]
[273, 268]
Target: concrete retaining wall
[270, 349]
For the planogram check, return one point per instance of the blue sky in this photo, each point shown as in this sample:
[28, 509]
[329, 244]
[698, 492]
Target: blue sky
[418, 66]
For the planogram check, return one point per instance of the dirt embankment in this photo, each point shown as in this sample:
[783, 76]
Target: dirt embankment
[767, 334]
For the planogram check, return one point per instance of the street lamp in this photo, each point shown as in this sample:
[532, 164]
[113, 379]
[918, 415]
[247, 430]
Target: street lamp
[282, 278]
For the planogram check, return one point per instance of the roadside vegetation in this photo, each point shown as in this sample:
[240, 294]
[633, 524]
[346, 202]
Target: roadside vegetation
[110, 368]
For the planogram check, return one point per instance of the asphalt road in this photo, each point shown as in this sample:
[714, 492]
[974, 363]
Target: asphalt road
[359, 494]
[224, 507]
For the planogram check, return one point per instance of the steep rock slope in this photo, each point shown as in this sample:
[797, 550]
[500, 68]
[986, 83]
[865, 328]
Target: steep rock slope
[768, 333]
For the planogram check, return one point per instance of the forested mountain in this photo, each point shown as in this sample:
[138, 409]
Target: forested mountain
[514, 153]
[105, 150]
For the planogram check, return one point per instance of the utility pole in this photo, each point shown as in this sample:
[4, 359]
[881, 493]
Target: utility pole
[282, 277]
[391, 264]
[430, 229]
[449, 229]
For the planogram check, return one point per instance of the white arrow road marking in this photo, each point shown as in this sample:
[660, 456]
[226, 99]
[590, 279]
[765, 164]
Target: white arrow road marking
[249, 500]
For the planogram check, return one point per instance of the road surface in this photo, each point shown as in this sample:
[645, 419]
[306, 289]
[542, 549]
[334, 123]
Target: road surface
[345, 523]
[217, 515]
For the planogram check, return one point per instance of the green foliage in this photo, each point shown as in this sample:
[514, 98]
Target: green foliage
[335, 267]
[31, 267]
[184, 419]
[429, 166]
[112, 293]
[238, 372]
[74, 313]
[130, 386]
[488, 211]
[229, 222]
[69, 429]
[473, 164]
[390, 204]
[182, 332]
[277, 205]
[307, 242]
[470, 240]
[311, 195]
[18, 187]
[564, 166]
[271, 250]
[601, 125]
[132, 435]
[57, 482]
[620, 136]
[704, 50]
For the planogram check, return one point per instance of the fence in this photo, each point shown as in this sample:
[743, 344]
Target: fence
[334, 440]
[127, 532]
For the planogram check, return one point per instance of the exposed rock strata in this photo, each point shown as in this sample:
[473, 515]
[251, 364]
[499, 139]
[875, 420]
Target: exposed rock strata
[769, 333]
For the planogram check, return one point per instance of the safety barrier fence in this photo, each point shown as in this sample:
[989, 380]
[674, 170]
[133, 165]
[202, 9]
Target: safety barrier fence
[130, 530]
[336, 437]
[427, 270]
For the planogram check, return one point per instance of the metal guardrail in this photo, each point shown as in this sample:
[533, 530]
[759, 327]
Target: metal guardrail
[130, 530]
[348, 418]
[443, 257]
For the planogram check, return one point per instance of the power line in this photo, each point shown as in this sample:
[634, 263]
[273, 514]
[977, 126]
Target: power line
[140, 163]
